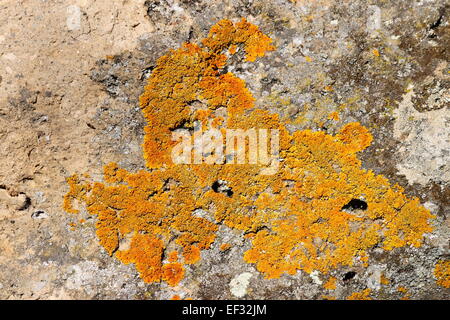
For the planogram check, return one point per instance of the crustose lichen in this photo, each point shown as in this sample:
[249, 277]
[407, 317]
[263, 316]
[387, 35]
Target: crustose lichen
[295, 219]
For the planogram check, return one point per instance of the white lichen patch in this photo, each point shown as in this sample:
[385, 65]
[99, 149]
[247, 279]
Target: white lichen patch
[239, 284]
[374, 277]
[315, 277]
[73, 20]
[425, 138]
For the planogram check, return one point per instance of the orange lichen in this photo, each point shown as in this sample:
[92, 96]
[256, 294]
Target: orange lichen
[402, 289]
[406, 295]
[225, 246]
[172, 273]
[177, 297]
[297, 226]
[145, 252]
[384, 280]
[355, 136]
[77, 191]
[173, 256]
[191, 254]
[330, 284]
[364, 259]
[363, 295]
[334, 116]
[225, 35]
[442, 273]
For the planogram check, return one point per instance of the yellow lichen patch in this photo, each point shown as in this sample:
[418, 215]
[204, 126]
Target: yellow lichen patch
[334, 116]
[406, 295]
[225, 247]
[177, 297]
[191, 254]
[330, 284]
[173, 256]
[226, 35]
[145, 252]
[172, 273]
[328, 175]
[402, 289]
[363, 295]
[77, 191]
[442, 273]
[355, 136]
[295, 218]
[384, 280]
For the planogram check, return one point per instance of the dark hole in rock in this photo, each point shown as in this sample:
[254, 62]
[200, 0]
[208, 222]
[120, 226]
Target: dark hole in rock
[437, 23]
[39, 214]
[145, 73]
[224, 70]
[349, 275]
[215, 186]
[356, 204]
[220, 186]
[25, 204]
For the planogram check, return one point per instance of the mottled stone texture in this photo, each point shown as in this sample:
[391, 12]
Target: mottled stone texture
[70, 78]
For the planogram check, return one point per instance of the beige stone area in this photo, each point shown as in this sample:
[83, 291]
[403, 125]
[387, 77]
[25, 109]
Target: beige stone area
[47, 52]
[425, 137]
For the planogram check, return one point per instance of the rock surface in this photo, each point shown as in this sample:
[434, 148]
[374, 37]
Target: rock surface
[71, 74]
